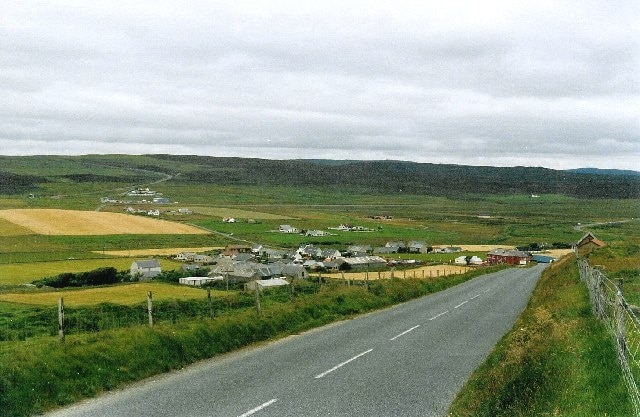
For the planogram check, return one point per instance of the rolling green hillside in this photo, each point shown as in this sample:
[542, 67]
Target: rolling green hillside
[26, 174]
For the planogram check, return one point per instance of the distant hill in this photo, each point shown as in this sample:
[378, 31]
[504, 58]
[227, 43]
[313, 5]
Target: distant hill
[598, 171]
[20, 174]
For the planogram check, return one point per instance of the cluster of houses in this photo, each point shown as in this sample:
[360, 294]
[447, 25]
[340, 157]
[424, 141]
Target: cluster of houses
[265, 267]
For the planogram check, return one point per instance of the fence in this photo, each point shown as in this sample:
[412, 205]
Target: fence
[609, 306]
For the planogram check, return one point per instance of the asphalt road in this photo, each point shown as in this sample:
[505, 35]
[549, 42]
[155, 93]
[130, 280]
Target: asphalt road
[409, 360]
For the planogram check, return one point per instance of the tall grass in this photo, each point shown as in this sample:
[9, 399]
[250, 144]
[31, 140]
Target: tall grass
[557, 360]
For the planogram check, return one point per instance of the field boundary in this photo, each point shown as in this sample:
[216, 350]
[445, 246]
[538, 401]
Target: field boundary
[611, 308]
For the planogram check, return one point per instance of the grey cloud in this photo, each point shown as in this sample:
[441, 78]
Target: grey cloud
[419, 81]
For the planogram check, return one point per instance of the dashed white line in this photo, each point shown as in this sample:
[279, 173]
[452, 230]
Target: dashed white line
[461, 304]
[405, 332]
[258, 408]
[436, 316]
[474, 297]
[342, 364]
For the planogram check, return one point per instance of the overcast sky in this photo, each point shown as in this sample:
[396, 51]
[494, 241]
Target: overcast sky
[539, 83]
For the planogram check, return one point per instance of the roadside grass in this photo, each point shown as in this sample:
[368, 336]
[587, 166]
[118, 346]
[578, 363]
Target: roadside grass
[42, 373]
[557, 360]
[25, 273]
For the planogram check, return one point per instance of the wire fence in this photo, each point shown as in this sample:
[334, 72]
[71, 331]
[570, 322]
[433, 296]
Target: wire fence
[609, 306]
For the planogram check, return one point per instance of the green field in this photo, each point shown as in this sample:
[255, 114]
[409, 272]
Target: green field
[404, 203]
[25, 273]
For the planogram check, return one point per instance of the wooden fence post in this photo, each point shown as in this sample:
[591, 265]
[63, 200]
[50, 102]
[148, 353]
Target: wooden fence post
[210, 303]
[61, 318]
[620, 327]
[150, 307]
[258, 308]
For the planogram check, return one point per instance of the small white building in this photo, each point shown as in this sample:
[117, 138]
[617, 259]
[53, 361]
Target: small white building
[285, 228]
[199, 281]
[261, 284]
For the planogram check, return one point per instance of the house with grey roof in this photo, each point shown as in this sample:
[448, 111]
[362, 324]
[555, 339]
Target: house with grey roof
[145, 269]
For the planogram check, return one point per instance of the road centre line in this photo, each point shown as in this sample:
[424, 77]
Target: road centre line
[258, 408]
[436, 316]
[461, 304]
[342, 364]
[474, 297]
[405, 332]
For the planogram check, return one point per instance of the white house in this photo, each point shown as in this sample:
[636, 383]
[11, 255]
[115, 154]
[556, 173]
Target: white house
[285, 228]
[145, 269]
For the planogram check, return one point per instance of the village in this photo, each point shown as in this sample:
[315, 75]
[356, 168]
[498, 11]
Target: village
[257, 265]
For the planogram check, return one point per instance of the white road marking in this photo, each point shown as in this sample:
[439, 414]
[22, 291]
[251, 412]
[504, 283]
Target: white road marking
[474, 297]
[405, 332]
[342, 364]
[435, 317]
[461, 304]
[258, 408]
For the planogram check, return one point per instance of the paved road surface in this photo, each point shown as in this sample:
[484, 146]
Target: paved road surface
[409, 360]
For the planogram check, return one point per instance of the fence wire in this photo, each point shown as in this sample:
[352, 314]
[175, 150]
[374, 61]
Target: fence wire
[609, 305]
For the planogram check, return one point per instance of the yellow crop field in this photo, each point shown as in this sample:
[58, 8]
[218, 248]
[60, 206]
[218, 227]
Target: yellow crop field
[73, 222]
[158, 251]
[423, 272]
[11, 229]
[127, 294]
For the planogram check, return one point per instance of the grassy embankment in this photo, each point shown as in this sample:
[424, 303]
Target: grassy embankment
[557, 360]
[41, 373]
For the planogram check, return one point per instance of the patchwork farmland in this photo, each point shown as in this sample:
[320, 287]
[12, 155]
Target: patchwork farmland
[75, 223]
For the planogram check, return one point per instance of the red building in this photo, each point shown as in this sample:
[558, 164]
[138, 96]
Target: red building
[508, 256]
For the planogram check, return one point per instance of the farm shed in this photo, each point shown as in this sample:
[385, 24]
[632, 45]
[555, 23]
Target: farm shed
[588, 243]
[417, 246]
[366, 263]
[543, 259]
[509, 257]
[146, 269]
[295, 271]
[199, 281]
[261, 284]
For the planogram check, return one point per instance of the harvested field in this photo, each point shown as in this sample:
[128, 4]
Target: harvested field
[72, 222]
[118, 294]
[423, 272]
[157, 252]
[238, 213]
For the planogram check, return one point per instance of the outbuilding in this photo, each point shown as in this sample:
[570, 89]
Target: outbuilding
[261, 284]
[199, 281]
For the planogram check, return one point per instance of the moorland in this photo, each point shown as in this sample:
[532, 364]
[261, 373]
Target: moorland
[92, 211]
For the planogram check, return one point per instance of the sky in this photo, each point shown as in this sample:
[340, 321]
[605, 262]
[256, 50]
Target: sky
[498, 83]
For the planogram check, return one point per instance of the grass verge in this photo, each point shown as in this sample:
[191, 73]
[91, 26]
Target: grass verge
[558, 360]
